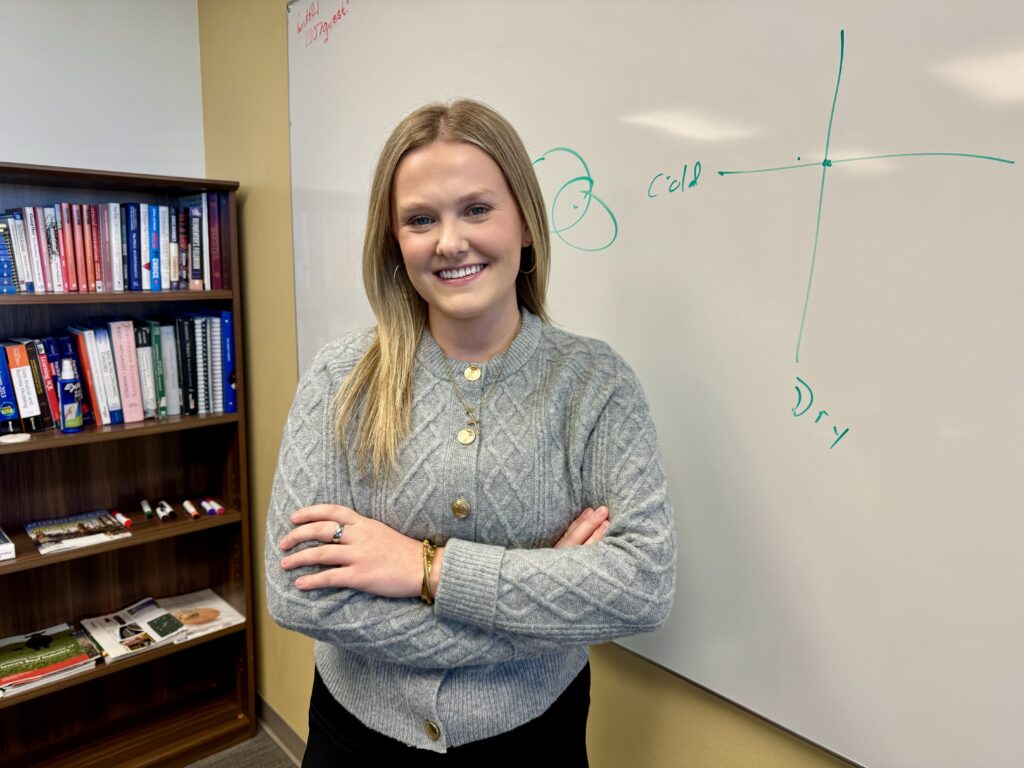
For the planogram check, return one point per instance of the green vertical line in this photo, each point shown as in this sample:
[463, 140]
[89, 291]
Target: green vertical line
[821, 195]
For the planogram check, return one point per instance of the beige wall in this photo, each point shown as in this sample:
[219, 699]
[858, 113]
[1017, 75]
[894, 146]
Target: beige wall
[641, 715]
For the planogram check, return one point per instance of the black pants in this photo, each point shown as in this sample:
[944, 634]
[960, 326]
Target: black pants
[558, 737]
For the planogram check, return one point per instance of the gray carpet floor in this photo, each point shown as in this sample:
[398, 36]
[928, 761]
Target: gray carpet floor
[259, 752]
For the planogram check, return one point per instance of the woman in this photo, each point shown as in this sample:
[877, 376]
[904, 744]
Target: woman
[424, 525]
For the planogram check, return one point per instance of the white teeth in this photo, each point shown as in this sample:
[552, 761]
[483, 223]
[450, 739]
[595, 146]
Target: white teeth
[452, 274]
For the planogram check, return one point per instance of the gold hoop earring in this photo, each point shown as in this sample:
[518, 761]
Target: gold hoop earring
[522, 253]
[394, 277]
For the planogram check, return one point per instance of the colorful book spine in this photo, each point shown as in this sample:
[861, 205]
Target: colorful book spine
[159, 379]
[69, 351]
[172, 245]
[186, 365]
[135, 276]
[215, 243]
[53, 251]
[108, 371]
[164, 237]
[122, 335]
[89, 258]
[145, 248]
[79, 232]
[46, 373]
[8, 264]
[106, 261]
[90, 373]
[227, 365]
[116, 260]
[195, 246]
[184, 254]
[43, 253]
[26, 281]
[93, 233]
[24, 387]
[66, 244]
[10, 421]
[155, 279]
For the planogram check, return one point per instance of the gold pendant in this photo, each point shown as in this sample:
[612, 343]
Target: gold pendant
[467, 435]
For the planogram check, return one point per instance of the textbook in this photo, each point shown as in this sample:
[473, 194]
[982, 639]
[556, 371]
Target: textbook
[141, 626]
[201, 612]
[84, 530]
[28, 661]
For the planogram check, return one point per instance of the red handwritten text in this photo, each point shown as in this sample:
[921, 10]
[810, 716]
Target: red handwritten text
[321, 30]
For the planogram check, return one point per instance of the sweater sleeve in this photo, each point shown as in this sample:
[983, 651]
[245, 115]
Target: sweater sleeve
[404, 631]
[620, 586]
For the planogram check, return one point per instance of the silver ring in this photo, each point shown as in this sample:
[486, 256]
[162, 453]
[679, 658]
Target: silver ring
[336, 538]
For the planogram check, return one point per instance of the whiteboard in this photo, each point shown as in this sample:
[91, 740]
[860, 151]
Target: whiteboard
[850, 567]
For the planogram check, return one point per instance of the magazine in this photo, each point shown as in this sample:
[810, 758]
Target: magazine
[201, 612]
[28, 661]
[142, 626]
[84, 530]
[6, 546]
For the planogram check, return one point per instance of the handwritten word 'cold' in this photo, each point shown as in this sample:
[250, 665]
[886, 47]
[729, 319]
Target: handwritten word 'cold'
[663, 183]
[806, 401]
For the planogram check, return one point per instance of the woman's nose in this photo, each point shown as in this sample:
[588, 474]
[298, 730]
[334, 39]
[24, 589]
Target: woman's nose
[450, 241]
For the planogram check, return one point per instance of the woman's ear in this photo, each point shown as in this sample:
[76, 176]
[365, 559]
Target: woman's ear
[527, 239]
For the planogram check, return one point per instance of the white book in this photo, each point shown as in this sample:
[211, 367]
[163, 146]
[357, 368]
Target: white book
[97, 379]
[165, 248]
[206, 245]
[145, 247]
[202, 381]
[21, 255]
[108, 371]
[103, 282]
[29, 217]
[216, 364]
[51, 216]
[116, 261]
[146, 374]
[169, 353]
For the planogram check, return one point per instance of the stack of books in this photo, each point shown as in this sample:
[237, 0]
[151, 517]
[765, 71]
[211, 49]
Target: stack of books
[29, 661]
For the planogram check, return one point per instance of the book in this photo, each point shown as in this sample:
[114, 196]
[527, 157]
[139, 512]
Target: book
[116, 260]
[141, 626]
[28, 221]
[27, 661]
[79, 234]
[50, 222]
[10, 420]
[169, 353]
[16, 227]
[9, 278]
[126, 362]
[184, 255]
[201, 613]
[164, 235]
[155, 264]
[69, 349]
[50, 384]
[43, 249]
[131, 216]
[215, 242]
[83, 530]
[145, 248]
[89, 374]
[108, 370]
[172, 242]
[93, 234]
[213, 333]
[65, 245]
[227, 368]
[6, 546]
[160, 384]
[90, 263]
[186, 365]
[24, 386]
[144, 354]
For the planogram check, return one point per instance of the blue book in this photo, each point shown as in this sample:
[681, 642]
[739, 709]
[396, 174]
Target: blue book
[227, 354]
[8, 271]
[108, 371]
[9, 421]
[154, 247]
[131, 215]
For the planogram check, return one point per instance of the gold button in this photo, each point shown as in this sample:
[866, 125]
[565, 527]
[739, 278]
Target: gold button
[432, 731]
[467, 435]
[460, 508]
[472, 373]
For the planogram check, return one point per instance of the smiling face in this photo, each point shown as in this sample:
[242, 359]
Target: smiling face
[460, 232]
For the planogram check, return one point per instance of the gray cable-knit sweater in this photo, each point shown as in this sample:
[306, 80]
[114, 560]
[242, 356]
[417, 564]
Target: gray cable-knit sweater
[566, 426]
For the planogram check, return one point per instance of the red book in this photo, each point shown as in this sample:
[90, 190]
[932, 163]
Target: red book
[88, 383]
[41, 235]
[46, 371]
[97, 253]
[66, 242]
[90, 265]
[76, 217]
[215, 257]
[24, 386]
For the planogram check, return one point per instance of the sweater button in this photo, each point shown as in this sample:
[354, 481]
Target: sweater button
[467, 435]
[432, 731]
[460, 508]
[472, 373]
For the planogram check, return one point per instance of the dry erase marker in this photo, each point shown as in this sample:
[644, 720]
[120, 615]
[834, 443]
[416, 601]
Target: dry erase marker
[191, 509]
[146, 509]
[217, 506]
[125, 521]
[164, 511]
[206, 505]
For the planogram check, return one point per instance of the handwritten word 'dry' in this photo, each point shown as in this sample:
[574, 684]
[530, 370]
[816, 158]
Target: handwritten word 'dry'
[803, 405]
[316, 29]
[663, 183]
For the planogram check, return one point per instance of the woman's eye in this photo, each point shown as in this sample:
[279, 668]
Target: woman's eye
[477, 210]
[419, 221]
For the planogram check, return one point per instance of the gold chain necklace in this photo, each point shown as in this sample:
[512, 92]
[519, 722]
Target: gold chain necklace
[472, 429]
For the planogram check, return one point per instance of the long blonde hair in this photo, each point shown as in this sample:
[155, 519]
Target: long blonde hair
[374, 404]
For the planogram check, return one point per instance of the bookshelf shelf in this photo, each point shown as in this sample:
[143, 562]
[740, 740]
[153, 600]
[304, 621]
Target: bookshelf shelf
[45, 441]
[128, 297]
[174, 705]
[102, 670]
[143, 532]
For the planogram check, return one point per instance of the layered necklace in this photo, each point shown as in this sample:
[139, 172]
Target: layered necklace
[472, 429]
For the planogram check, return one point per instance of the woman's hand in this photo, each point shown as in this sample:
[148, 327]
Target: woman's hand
[369, 556]
[588, 528]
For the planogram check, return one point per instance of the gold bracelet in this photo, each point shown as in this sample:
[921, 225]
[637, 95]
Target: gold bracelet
[428, 561]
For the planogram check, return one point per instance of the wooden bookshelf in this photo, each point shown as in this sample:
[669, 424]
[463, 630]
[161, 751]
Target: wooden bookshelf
[173, 705]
